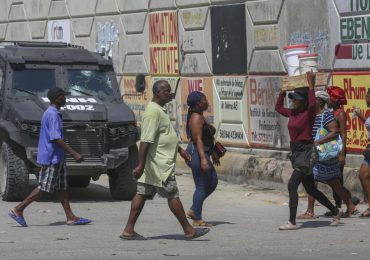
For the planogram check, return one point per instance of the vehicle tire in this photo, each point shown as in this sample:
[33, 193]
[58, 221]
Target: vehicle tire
[78, 181]
[122, 185]
[14, 175]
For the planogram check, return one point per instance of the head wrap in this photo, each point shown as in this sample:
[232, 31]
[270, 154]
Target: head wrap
[193, 99]
[322, 95]
[337, 94]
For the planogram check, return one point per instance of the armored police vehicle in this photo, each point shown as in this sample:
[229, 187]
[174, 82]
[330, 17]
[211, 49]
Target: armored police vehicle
[97, 123]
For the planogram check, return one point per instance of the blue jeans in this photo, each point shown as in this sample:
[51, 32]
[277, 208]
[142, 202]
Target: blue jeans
[205, 182]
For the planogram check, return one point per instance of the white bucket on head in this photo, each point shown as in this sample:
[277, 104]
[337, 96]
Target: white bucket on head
[291, 57]
[308, 62]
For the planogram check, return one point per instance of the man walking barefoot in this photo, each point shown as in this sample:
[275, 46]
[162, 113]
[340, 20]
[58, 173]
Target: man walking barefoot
[50, 156]
[155, 171]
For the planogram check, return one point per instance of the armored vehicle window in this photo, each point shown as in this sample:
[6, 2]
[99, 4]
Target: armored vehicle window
[33, 82]
[90, 83]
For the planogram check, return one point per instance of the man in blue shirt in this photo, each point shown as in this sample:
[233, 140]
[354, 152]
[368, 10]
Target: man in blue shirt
[50, 155]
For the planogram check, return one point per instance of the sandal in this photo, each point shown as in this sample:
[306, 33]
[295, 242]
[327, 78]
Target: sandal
[201, 223]
[365, 214]
[307, 215]
[348, 213]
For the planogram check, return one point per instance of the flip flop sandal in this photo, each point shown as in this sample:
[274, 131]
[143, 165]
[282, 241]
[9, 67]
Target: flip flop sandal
[307, 215]
[80, 221]
[135, 236]
[363, 215]
[348, 214]
[19, 219]
[198, 233]
[190, 214]
[201, 224]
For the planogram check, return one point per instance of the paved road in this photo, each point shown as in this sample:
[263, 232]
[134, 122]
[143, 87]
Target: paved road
[245, 227]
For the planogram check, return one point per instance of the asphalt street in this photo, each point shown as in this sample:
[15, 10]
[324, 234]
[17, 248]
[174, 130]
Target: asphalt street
[245, 226]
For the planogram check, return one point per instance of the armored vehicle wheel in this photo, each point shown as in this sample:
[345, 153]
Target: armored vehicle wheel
[121, 182]
[78, 181]
[13, 173]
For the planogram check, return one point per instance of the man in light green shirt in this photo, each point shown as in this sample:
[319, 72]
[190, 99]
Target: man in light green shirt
[156, 169]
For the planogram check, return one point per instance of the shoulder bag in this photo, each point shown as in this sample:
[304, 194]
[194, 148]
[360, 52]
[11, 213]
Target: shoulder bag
[328, 150]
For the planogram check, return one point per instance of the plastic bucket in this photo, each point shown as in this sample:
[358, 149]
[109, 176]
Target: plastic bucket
[291, 57]
[308, 62]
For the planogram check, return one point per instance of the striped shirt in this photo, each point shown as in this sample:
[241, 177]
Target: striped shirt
[328, 117]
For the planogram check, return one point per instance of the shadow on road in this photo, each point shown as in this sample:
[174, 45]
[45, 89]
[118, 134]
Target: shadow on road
[315, 224]
[175, 237]
[216, 223]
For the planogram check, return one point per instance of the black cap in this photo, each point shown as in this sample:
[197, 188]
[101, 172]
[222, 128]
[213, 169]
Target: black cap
[54, 93]
[297, 95]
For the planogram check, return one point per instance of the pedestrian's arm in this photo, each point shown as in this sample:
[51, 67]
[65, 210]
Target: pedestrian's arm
[342, 118]
[143, 152]
[360, 115]
[333, 133]
[78, 157]
[184, 154]
[279, 107]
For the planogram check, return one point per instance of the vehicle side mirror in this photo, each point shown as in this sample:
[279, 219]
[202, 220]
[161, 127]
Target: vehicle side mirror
[140, 83]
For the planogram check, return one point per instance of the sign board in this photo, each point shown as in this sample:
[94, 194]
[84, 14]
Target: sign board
[59, 31]
[163, 43]
[355, 85]
[356, 56]
[189, 85]
[136, 101]
[266, 129]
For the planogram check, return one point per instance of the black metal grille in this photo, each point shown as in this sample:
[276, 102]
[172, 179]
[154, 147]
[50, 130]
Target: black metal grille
[87, 142]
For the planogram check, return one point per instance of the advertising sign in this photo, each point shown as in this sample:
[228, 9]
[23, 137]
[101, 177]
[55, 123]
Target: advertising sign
[355, 84]
[265, 126]
[189, 85]
[59, 31]
[136, 101]
[163, 43]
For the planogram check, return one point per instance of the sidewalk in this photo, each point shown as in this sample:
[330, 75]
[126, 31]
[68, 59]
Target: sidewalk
[271, 169]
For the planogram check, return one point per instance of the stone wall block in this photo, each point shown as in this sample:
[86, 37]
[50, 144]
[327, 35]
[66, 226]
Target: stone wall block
[134, 23]
[192, 3]
[266, 61]
[81, 27]
[162, 4]
[17, 12]
[4, 10]
[37, 9]
[81, 7]
[18, 31]
[38, 29]
[58, 9]
[106, 7]
[129, 6]
[264, 12]
[3, 30]
[135, 64]
[193, 18]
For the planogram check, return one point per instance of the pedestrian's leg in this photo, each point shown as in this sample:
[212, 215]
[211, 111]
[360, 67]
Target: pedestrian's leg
[337, 198]
[293, 184]
[34, 195]
[200, 180]
[212, 182]
[137, 205]
[309, 185]
[364, 177]
[177, 209]
[342, 192]
[64, 200]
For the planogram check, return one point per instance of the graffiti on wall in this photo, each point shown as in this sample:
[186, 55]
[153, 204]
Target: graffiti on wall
[355, 86]
[163, 43]
[107, 41]
[189, 85]
[318, 42]
[229, 46]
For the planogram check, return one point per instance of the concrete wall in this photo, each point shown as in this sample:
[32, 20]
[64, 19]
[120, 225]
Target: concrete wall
[229, 49]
